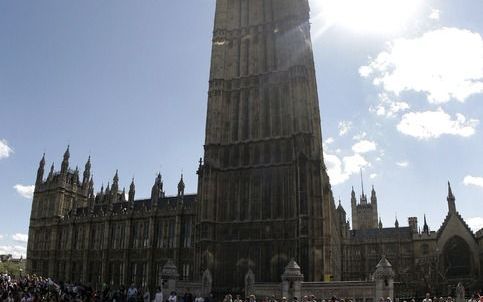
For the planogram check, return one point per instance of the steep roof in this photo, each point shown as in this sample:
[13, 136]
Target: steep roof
[384, 233]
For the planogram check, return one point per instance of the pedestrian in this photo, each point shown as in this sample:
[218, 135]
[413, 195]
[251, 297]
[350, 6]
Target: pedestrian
[158, 297]
[132, 293]
[146, 296]
[172, 297]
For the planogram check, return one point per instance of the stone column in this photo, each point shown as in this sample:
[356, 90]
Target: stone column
[384, 280]
[292, 281]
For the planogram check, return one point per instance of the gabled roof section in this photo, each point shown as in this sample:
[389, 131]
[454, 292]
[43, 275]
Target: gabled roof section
[446, 221]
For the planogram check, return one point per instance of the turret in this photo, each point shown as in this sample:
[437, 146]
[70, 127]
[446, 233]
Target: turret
[90, 189]
[132, 191]
[413, 224]
[355, 222]
[107, 192]
[87, 173]
[65, 162]
[451, 200]
[380, 223]
[156, 191]
[51, 173]
[115, 186]
[40, 171]
[123, 195]
[396, 223]
[181, 187]
[373, 196]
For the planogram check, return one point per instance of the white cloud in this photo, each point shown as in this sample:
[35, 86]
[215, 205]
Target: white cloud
[475, 223]
[364, 146]
[403, 164]
[5, 149]
[20, 237]
[344, 127]
[373, 175]
[329, 140]
[16, 251]
[1, 236]
[433, 124]
[435, 14]
[359, 136]
[473, 181]
[340, 170]
[25, 191]
[388, 107]
[444, 64]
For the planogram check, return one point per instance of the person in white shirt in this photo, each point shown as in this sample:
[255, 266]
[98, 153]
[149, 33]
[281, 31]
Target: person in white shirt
[428, 298]
[172, 297]
[158, 297]
[132, 293]
[147, 295]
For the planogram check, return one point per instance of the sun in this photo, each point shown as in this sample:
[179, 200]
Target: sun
[365, 16]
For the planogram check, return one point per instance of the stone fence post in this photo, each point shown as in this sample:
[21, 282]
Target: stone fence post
[384, 279]
[170, 275]
[292, 281]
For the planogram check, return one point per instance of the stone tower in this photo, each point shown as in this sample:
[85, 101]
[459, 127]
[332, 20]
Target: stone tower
[364, 214]
[264, 195]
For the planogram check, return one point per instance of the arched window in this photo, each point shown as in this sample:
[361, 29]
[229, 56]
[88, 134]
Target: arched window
[457, 258]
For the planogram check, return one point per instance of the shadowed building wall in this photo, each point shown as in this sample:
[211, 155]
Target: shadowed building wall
[263, 191]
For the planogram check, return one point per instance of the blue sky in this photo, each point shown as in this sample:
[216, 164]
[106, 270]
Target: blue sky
[400, 91]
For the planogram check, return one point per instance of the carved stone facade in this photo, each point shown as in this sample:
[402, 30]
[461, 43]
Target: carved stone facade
[76, 235]
[264, 196]
[422, 260]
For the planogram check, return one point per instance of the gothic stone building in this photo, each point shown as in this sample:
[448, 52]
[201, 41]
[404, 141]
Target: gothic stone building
[264, 196]
[107, 237]
[423, 260]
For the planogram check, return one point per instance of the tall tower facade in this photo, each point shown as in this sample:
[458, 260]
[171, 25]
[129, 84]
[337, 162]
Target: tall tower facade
[364, 214]
[264, 195]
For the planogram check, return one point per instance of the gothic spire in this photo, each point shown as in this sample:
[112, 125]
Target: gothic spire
[451, 200]
[380, 223]
[425, 227]
[123, 195]
[90, 190]
[132, 191]
[353, 197]
[40, 171]
[373, 196]
[181, 186]
[396, 223]
[115, 183]
[156, 190]
[51, 173]
[65, 162]
[87, 171]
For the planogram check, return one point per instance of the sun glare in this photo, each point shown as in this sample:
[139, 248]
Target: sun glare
[365, 16]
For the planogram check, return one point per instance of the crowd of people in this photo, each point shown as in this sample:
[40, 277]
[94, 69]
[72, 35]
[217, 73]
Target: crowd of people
[37, 289]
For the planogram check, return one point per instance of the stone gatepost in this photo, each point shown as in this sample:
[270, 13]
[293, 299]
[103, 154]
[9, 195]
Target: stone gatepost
[384, 279]
[460, 293]
[170, 276]
[249, 282]
[206, 283]
[292, 281]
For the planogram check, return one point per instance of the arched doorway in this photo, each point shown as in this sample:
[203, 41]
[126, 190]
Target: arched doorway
[457, 258]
